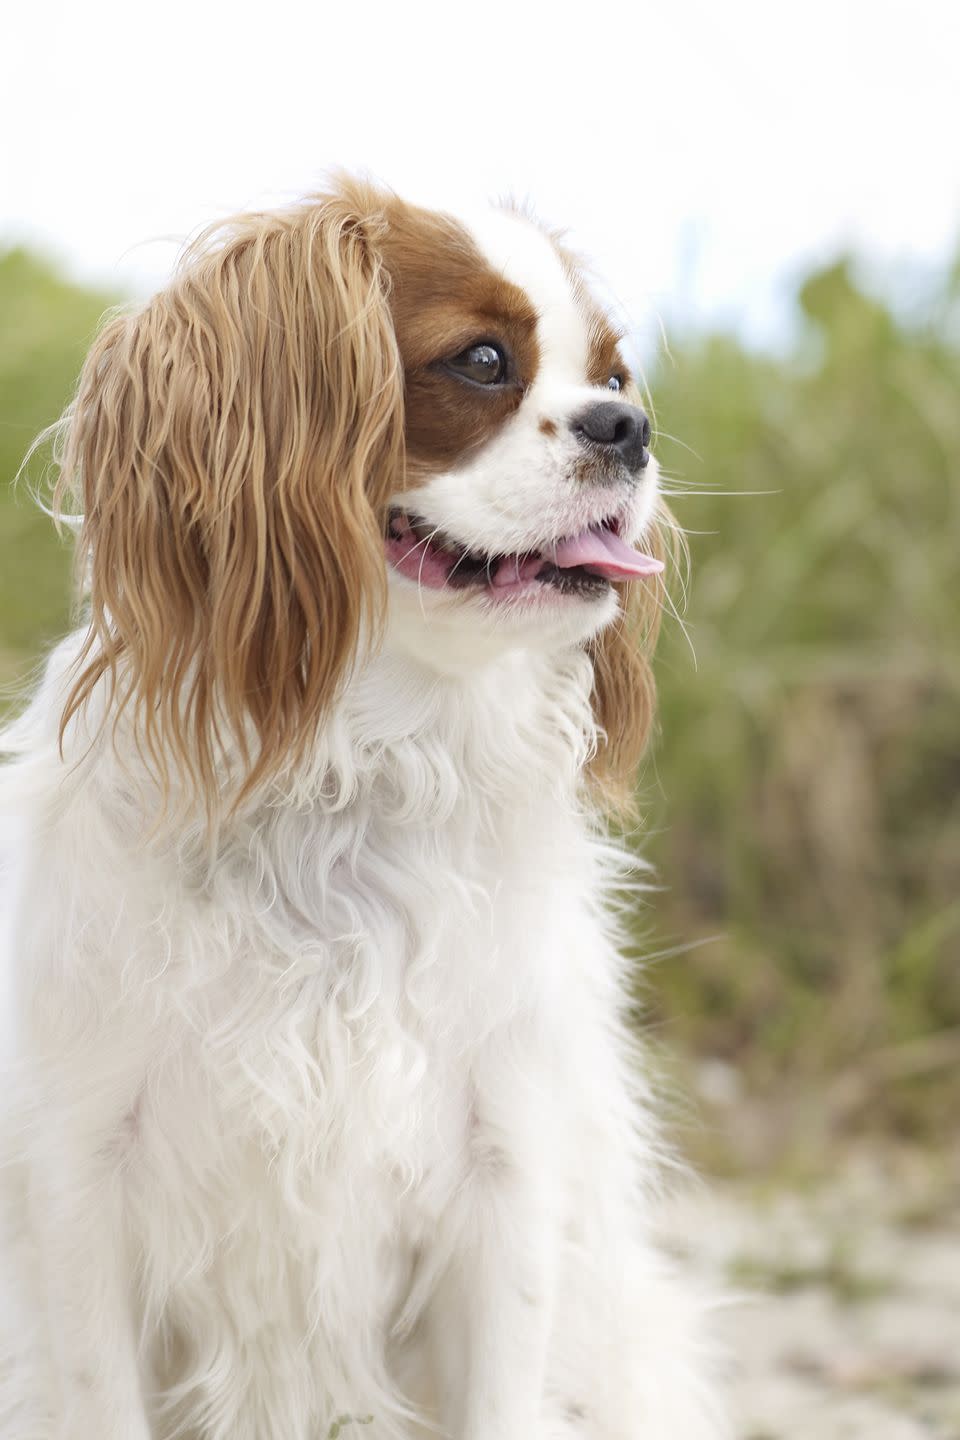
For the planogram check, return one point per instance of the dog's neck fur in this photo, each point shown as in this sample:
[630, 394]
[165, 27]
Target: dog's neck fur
[422, 743]
[468, 757]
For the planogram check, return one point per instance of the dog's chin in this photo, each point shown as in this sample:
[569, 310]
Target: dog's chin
[454, 604]
[454, 630]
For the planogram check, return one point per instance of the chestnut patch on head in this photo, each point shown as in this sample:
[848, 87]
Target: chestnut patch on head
[445, 296]
[548, 426]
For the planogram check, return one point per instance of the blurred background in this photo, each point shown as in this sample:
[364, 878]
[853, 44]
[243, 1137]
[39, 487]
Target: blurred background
[772, 194]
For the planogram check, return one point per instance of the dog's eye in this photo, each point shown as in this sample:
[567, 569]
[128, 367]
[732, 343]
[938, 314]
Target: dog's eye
[484, 364]
[615, 382]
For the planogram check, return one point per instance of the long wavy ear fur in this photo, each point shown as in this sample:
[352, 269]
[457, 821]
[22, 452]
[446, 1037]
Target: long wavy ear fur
[624, 692]
[624, 696]
[232, 448]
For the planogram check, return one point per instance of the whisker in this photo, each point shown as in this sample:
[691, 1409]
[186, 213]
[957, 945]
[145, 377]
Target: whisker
[413, 548]
[686, 530]
[668, 607]
[721, 494]
[425, 543]
[453, 568]
[665, 435]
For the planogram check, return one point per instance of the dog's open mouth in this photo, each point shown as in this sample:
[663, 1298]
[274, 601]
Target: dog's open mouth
[583, 564]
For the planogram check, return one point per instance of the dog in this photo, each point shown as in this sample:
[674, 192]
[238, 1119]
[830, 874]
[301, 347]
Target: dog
[320, 1109]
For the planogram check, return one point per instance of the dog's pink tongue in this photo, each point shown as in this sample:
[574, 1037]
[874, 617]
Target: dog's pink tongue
[605, 554]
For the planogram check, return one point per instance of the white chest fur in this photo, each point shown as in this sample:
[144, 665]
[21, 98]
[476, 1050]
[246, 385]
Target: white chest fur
[287, 1085]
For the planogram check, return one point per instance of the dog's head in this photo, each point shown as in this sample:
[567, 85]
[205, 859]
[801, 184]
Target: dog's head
[350, 413]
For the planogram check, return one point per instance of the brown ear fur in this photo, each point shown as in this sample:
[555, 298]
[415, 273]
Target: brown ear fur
[624, 692]
[232, 449]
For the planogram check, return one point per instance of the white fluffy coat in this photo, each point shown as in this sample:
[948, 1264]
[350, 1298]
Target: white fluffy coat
[310, 1121]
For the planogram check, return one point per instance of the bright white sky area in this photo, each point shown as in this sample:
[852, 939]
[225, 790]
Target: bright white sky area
[704, 154]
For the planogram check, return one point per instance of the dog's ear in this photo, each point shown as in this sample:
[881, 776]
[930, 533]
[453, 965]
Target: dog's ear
[232, 449]
[624, 693]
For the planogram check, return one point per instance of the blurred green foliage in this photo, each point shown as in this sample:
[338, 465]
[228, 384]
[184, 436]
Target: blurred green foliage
[46, 326]
[810, 764]
[805, 793]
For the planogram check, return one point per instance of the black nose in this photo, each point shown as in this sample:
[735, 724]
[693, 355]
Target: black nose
[623, 428]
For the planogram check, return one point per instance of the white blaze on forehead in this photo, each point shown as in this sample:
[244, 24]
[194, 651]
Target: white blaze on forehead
[519, 251]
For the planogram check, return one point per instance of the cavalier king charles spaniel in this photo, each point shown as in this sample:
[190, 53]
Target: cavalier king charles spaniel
[320, 1109]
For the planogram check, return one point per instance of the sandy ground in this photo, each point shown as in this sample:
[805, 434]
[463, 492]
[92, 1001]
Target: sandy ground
[844, 1318]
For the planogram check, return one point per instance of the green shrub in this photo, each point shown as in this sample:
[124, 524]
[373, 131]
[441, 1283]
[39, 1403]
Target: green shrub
[46, 325]
[807, 793]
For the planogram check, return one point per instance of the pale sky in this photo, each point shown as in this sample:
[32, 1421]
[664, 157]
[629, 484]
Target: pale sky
[702, 153]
